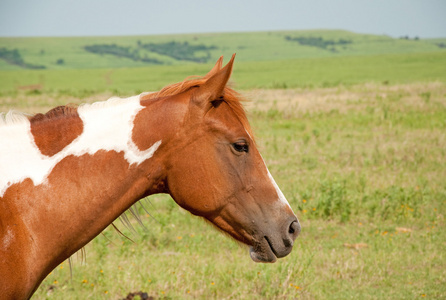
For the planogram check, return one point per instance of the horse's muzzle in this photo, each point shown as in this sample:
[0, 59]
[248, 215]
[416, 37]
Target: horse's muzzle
[275, 244]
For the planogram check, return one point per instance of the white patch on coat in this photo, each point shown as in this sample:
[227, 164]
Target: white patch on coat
[107, 126]
[7, 239]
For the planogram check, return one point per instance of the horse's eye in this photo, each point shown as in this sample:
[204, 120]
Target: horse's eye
[240, 147]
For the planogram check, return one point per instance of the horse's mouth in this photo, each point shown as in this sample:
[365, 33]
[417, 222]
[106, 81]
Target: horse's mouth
[263, 252]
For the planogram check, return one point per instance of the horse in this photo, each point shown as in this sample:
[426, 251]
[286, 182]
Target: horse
[69, 173]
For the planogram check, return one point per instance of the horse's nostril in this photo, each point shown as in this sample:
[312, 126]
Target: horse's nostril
[294, 229]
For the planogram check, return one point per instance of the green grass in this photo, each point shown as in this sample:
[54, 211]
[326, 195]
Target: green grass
[309, 72]
[250, 46]
[363, 166]
[355, 139]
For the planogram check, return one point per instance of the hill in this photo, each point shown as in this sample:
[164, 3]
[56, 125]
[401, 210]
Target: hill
[278, 74]
[138, 51]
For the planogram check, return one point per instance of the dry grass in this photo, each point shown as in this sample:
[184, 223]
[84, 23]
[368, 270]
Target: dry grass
[343, 99]
[364, 168]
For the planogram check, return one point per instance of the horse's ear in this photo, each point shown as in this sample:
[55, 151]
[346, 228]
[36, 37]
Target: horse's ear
[214, 87]
[216, 68]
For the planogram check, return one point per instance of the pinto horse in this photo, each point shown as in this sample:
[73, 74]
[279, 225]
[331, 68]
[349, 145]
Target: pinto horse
[68, 174]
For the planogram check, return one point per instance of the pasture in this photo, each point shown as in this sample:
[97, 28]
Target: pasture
[357, 144]
[66, 53]
[363, 166]
[281, 74]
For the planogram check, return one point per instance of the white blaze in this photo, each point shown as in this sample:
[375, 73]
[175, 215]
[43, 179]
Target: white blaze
[279, 192]
[280, 195]
[107, 126]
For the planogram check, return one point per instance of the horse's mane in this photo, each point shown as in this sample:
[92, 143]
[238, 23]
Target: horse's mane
[62, 111]
[69, 110]
[231, 97]
[14, 117]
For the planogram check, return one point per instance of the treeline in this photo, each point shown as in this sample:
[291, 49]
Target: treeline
[318, 42]
[121, 51]
[176, 50]
[406, 37]
[13, 57]
[180, 51]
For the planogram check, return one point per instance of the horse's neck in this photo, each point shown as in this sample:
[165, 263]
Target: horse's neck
[35, 148]
[64, 200]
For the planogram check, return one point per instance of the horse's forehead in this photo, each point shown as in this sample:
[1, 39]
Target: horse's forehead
[224, 116]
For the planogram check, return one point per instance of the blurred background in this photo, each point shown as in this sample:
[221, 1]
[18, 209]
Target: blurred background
[348, 102]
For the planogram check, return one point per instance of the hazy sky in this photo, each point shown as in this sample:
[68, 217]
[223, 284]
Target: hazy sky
[422, 18]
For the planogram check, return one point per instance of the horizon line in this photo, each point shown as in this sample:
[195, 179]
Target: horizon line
[210, 32]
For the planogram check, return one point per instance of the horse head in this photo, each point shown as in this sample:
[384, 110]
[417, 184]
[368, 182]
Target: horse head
[216, 171]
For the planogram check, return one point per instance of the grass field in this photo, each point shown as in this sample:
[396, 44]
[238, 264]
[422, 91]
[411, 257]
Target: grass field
[310, 72]
[250, 47]
[363, 166]
[357, 143]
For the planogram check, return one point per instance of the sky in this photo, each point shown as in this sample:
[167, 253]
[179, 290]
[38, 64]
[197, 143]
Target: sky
[421, 18]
